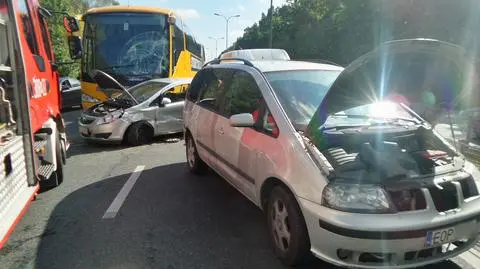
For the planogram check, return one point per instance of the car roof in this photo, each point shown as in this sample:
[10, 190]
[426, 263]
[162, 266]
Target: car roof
[281, 65]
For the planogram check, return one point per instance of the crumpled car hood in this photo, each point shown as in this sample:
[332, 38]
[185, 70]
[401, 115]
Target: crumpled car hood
[110, 86]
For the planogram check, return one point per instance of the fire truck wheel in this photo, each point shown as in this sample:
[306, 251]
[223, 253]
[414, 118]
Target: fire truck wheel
[63, 151]
[57, 177]
[139, 134]
[58, 174]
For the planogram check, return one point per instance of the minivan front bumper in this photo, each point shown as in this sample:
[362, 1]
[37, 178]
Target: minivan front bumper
[387, 240]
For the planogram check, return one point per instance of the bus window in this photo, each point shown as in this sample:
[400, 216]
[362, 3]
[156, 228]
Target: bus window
[178, 43]
[194, 47]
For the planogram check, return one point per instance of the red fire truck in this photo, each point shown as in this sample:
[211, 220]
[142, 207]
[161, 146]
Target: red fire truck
[33, 142]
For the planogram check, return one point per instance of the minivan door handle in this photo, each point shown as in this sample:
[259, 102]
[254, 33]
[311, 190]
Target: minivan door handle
[220, 130]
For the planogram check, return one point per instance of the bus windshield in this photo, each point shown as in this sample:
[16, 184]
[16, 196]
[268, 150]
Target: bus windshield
[131, 47]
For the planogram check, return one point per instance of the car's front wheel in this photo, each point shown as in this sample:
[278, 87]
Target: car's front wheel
[195, 164]
[139, 134]
[287, 228]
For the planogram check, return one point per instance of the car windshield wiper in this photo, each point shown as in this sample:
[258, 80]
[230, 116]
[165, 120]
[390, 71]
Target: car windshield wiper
[387, 120]
[384, 122]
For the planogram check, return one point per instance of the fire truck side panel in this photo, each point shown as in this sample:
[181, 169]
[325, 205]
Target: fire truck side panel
[15, 194]
[18, 183]
[42, 81]
[35, 148]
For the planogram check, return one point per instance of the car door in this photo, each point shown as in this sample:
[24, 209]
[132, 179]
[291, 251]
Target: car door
[205, 113]
[169, 117]
[76, 92]
[69, 93]
[145, 93]
[235, 146]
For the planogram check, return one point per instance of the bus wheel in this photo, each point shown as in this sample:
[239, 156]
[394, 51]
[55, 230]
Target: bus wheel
[139, 134]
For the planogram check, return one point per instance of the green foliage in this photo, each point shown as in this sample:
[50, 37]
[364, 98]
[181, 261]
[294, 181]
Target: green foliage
[58, 34]
[342, 30]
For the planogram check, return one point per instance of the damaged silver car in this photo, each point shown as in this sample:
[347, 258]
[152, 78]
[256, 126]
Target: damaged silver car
[137, 114]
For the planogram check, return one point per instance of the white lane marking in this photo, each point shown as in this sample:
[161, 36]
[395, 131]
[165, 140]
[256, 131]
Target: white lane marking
[122, 195]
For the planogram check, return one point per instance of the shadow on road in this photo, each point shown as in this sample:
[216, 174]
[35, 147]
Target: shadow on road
[171, 219]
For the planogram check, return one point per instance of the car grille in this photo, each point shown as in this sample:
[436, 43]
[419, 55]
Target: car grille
[103, 135]
[420, 255]
[469, 188]
[439, 251]
[444, 196]
[408, 200]
[85, 120]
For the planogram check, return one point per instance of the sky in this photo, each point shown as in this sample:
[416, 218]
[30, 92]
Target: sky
[199, 18]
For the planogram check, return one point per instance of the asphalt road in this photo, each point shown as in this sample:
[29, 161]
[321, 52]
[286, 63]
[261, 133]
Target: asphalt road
[170, 218]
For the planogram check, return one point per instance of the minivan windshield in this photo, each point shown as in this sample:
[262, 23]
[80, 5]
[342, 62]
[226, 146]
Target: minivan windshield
[300, 92]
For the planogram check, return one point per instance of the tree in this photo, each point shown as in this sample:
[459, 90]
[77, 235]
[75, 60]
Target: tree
[58, 34]
[342, 30]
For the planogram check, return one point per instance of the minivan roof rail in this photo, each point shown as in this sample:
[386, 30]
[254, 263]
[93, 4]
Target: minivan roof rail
[320, 61]
[218, 61]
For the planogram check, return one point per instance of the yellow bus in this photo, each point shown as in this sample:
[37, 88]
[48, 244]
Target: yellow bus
[134, 44]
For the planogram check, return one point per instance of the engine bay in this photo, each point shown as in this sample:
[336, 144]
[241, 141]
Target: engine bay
[379, 156]
[108, 107]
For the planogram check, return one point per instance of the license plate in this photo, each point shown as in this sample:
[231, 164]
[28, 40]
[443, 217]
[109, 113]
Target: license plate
[440, 237]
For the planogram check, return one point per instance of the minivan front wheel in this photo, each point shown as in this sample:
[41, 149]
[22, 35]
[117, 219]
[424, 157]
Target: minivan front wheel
[195, 164]
[287, 229]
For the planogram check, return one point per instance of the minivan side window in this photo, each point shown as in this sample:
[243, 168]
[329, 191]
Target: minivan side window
[243, 96]
[215, 83]
[196, 85]
[269, 125]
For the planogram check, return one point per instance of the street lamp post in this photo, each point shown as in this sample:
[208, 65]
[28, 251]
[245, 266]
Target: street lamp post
[216, 43]
[227, 19]
[270, 43]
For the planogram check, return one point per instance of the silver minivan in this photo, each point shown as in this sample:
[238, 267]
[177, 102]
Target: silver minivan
[345, 163]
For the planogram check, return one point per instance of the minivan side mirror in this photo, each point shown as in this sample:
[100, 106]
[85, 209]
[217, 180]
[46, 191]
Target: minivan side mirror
[75, 47]
[242, 120]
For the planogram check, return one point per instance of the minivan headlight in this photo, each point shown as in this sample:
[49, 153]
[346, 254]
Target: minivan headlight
[358, 198]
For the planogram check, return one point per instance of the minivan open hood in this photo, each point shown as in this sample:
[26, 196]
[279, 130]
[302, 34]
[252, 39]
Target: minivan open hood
[406, 67]
[109, 85]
